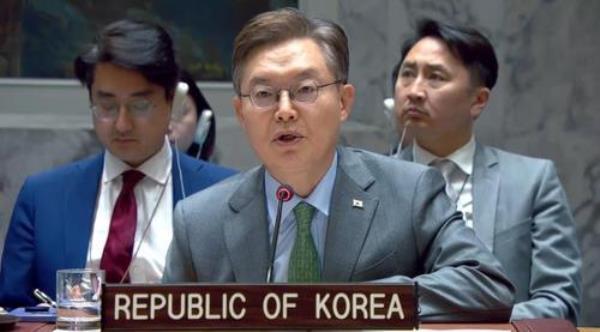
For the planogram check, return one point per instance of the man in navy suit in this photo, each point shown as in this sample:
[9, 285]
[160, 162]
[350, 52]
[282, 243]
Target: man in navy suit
[114, 210]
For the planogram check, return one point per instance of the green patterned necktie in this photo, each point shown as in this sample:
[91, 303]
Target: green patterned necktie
[304, 261]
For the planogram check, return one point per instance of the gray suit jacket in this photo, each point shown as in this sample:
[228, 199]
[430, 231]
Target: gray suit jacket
[520, 212]
[406, 231]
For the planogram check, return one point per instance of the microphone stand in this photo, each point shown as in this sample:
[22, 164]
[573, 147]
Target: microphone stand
[284, 193]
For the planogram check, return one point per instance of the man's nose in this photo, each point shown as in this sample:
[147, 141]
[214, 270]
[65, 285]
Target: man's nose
[416, 90]
[123, 122]
[285, 110]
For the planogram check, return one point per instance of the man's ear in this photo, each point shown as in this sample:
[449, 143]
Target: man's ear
[347, 94]
[237, 106]
[481, 98]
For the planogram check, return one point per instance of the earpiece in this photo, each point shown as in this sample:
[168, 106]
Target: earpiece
[389, 104]
[203, 128]
[175, 149]
[406, 125]
[181, 91]
[177, 111]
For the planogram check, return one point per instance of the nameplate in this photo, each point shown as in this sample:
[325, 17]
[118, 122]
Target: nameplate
[264, 306]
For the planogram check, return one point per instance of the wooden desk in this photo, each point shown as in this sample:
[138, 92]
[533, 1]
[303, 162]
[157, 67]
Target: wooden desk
[30, 327]
[42, 327]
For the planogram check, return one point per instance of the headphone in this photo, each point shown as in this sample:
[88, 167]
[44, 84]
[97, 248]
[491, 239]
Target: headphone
[202, 126]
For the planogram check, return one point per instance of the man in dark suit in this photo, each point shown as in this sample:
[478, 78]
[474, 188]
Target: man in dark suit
[114, 210]
[515, 204]
[355, 216]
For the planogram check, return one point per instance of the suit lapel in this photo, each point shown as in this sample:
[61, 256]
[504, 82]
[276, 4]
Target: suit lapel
[248, 226]
[80, 204]
[486, 184]
[352, 211]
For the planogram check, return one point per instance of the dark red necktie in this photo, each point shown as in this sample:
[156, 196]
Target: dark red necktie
[121, 235]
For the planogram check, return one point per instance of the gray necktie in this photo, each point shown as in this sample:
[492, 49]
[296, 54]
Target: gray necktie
[452, 174]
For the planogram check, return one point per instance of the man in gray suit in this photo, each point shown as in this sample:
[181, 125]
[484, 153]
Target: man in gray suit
[515, 204]
[355, 216]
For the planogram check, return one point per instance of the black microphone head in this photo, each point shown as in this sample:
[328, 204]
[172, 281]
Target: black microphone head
[284, 193]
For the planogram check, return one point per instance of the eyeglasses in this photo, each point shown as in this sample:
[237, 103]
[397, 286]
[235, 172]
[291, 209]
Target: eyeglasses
[265, 96]
[108, 110]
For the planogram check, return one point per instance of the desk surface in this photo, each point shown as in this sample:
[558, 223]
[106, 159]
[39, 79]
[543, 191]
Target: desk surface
[42, 327]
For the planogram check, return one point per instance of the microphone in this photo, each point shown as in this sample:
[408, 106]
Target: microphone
[283, 194]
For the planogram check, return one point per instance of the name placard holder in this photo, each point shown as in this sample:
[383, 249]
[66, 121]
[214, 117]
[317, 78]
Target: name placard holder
[259, 307]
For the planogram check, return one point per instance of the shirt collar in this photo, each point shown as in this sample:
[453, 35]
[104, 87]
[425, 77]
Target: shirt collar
[463, 157]
[320, 197]
[157, 167]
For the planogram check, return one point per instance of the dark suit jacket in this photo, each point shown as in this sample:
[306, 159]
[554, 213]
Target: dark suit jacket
[52, 223]
[521, 213]
[406, 231]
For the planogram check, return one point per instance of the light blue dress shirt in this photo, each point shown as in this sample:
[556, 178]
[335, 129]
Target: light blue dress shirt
[320, 198]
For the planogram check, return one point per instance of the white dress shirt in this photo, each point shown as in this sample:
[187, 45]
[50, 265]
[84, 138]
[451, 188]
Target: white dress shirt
[154, 196]
[462, 185]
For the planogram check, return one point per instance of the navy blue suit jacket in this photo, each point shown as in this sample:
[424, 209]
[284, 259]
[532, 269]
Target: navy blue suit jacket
[52, 220]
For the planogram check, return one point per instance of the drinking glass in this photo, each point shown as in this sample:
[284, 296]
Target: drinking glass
[78, 299]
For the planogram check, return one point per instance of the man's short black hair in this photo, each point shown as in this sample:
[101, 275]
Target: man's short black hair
[141, 46]
[468, 45]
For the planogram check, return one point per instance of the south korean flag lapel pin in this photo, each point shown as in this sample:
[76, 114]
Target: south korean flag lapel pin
[357, 203]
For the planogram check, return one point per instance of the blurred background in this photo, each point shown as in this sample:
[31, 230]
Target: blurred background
[546, 103]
